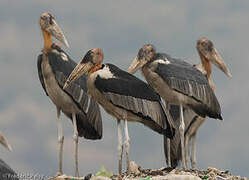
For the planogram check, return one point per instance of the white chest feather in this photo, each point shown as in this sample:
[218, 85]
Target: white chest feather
[105, 73]
[162, 61]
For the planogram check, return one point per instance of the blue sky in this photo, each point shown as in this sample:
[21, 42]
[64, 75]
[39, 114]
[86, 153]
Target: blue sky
[120, 28]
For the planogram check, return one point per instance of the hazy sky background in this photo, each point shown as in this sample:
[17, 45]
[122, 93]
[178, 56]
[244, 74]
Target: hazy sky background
[120, 28]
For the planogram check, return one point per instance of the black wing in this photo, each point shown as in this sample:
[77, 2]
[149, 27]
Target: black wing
[191, 82]
[89, 122]
[125, 83]
[128, 92]
[6, 173]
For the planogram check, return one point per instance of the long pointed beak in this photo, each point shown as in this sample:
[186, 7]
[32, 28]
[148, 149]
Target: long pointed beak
[4, 142]
[56, 31]
[78, 71]
[136, 65]
[217, 60]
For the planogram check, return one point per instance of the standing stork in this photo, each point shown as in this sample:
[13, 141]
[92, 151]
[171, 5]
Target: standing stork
[54, 66]
[123, 96]
[208, 54]
[179, 83]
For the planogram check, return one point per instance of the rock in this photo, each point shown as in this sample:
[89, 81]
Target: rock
[176, 177]
[100, 178]
[134, 168]
[65, 177]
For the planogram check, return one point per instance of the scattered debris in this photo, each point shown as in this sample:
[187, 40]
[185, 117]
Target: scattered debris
[158, 174]
[65, 177]
[177, 174]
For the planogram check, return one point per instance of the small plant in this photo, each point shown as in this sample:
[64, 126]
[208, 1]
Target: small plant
[204, 177]
[103, 172]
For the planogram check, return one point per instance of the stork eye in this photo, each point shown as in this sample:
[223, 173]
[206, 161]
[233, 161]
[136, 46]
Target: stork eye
[43, 18]
[208, 45]
[51, 19]
[204, 43]
[140, 54]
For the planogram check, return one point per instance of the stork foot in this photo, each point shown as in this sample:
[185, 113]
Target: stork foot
[75, 137]
[59, 173]
[120, 147]
[127, 146]
[168, 152]
[134, 168]
[120, 151]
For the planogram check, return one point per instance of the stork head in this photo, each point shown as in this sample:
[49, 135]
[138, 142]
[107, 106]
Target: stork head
[90, 63]
[145, 54]
[207, 52]
[49, 26]
[4, 142]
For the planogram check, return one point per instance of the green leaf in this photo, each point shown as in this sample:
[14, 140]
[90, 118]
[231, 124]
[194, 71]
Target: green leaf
[204, 177]
[147, 178]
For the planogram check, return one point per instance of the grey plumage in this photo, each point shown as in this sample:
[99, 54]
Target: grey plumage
[39, 62]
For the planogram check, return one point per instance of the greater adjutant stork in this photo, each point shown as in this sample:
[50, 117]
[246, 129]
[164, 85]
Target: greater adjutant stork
[54, 66]
[123, 96]
[177, 82]
[208, 55]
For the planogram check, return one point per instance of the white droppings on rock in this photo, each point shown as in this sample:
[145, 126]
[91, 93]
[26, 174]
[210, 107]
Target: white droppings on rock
[100, 178]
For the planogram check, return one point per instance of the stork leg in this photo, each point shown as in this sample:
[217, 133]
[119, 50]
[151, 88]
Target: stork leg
[193, 153]
[60, 139]
[75, 138]
[181, 130]
[168, 140]
[168, 152]
[127, 144]
[120, 147]
[186, 149]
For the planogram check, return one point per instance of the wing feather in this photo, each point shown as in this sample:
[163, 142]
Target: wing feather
[191, 82]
